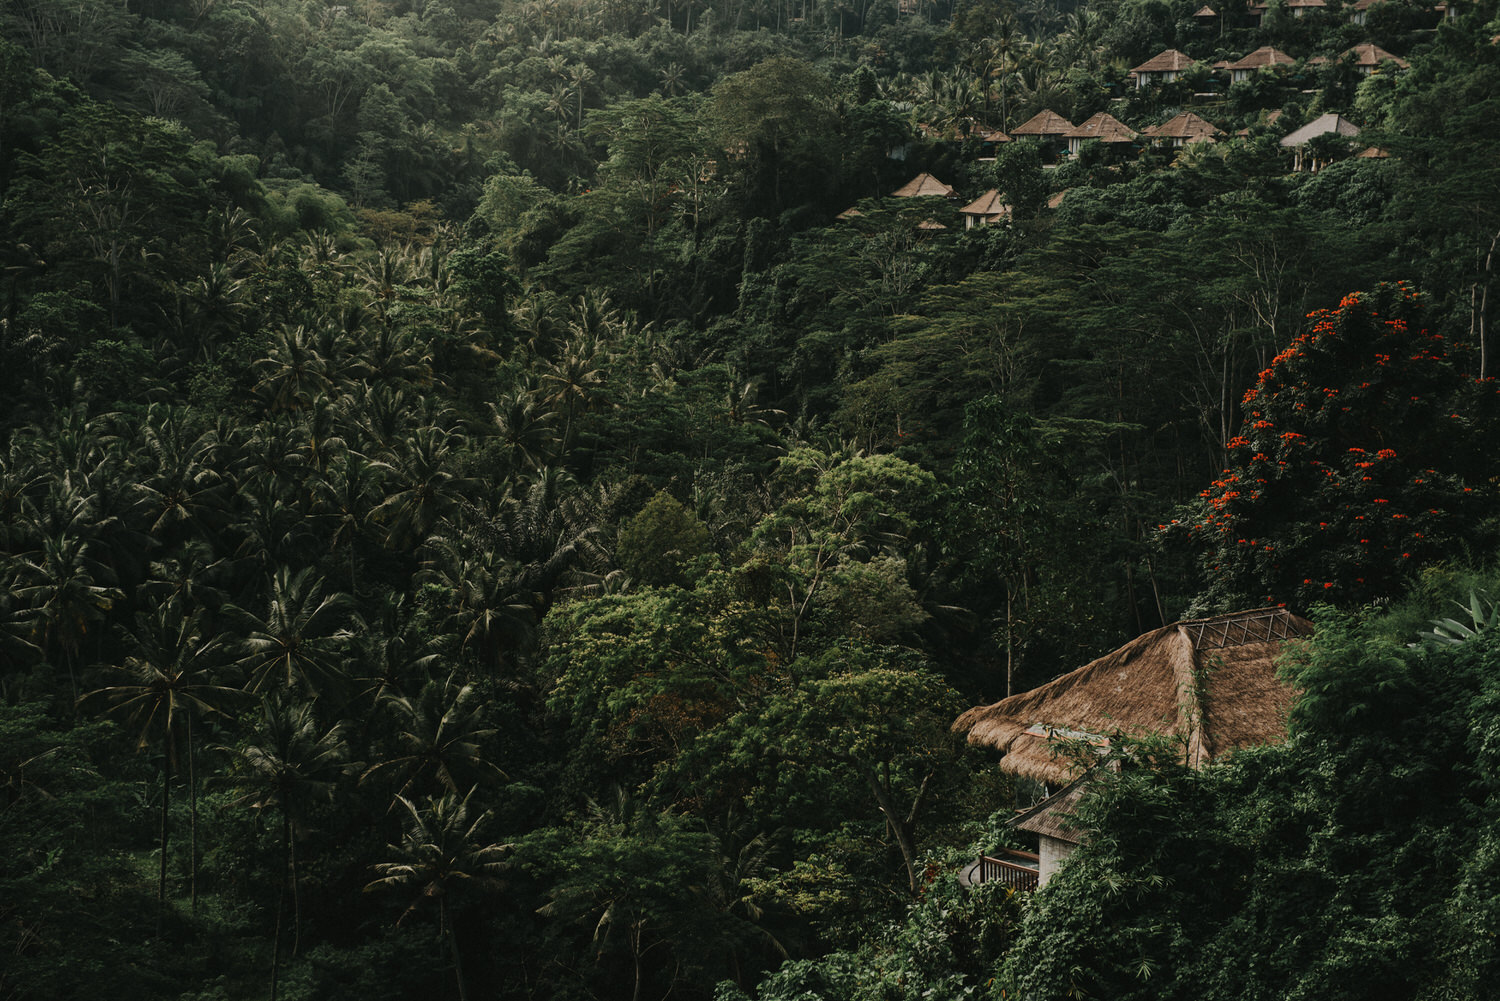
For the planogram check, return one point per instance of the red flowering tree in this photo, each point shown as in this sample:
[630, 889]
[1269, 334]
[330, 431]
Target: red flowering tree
[1365, 452]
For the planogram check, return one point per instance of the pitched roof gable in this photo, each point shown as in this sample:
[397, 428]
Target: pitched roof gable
[1373, 55]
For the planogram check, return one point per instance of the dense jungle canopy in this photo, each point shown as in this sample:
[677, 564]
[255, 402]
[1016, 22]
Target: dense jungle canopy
[498, 500]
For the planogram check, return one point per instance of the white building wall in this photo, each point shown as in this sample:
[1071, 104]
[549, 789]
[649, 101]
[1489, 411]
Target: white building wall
[1053, 852]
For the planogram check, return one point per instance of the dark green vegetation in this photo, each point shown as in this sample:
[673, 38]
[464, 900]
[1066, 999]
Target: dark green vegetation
[473, 522]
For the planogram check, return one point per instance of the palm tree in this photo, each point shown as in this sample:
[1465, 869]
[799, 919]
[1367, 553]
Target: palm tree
[671, 79]
[382, 416]
[299, 642]
[580, 76]
[181, 490]
[65, 592]
[399, 648]
[171, 660]
[571, 383]
[441, 735]
[523, 429]
[343, 498]
[287, 763]
[487, 601]
[294, 372]
[440, 853]
[427, 488]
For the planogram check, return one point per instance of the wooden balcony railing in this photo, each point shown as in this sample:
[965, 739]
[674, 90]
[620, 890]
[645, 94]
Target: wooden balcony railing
[1015, 869]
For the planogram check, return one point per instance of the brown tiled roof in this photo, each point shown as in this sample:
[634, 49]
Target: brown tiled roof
[1374, 55]
[1205, 11]
[1306, 4]
[1263, 56]
[1044, 123]
[1186, 126]
[1165, 62]
[1104, 127]
[1362, 4]
[1373, 153]
[923, 186]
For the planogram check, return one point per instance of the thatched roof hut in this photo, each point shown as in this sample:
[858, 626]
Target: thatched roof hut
[1262, 58]
[1368, 58]
[1102, 126]
[1184, 129]
[986, 210]
[1161, 68]
[1044, 124]
[1211, 681]
[924, 186]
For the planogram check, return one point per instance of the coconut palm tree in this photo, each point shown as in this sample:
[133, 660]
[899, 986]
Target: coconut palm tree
[441, 735]
[441, 854]
[64, 593]
[523, 429]
[487, 601]
[299, 642]
[294, 371]
[427, 487]
[343, 499]
[287, 763]
[170, 669]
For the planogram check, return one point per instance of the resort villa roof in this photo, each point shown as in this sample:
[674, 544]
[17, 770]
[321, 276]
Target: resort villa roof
[924, 186]
[1044, 124]
[1211, 682]
[1169, 61]
[1104, 127]
[1186, 128]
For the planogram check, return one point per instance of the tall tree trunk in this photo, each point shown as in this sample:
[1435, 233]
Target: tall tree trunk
[166, 789]
[193, 837]
[276, 939]
[900, 827]
[458, 963]
[291, 873]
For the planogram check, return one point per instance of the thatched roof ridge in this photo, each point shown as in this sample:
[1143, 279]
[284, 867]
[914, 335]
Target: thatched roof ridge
[1104, 127]
[1043, 123]
[1165, 62]
[1211, 681]
[924, 186]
